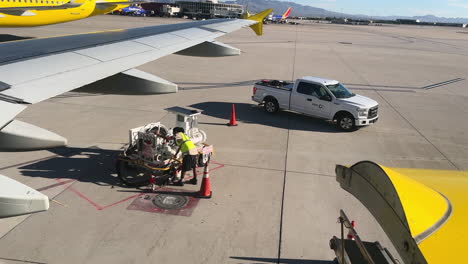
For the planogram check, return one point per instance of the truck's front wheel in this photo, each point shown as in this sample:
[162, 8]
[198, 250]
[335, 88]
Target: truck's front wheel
[271, 106]
[346, 122]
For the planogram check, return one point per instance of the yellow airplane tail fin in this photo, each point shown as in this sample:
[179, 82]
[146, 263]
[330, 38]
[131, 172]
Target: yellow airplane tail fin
[258, 27]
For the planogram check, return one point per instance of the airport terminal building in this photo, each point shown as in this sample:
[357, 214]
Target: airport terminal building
[209, 9]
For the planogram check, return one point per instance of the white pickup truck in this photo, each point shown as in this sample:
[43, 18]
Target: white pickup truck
[318, 97]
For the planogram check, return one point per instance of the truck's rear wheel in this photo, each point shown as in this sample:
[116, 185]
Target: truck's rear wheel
[346, 122]
[271, 106]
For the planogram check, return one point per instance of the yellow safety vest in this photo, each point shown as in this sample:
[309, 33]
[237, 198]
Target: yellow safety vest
[186, 143]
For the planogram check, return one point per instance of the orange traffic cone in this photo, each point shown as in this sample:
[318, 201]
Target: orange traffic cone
[205, 188]
[233, 122]
[350, 235]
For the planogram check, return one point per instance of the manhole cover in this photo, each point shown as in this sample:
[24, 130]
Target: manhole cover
[170, 201]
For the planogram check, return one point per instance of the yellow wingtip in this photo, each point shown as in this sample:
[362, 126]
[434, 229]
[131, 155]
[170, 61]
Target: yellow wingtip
[258, 27]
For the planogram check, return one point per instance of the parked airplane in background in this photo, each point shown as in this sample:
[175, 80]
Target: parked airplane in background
[29, 13]
[133, 11]
[282, 18]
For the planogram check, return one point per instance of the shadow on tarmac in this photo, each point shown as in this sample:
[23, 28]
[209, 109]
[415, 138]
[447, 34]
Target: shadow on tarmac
[8, 37]
[22, 261]
[248, 113]
[92, 165]
[282, 260]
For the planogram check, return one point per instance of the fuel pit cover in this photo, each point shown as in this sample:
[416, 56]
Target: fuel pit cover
[170, 201]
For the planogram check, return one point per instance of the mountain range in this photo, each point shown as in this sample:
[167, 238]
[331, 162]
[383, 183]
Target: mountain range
[308, 11]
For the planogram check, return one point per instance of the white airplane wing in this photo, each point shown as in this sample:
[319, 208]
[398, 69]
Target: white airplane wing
[37, 69]
[19, 199]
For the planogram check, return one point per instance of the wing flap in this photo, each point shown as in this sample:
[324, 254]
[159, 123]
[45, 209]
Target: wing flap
[193, 33]
[106, 53]
[8, 112]
[38, 68]
[161, 41]
[229, 26]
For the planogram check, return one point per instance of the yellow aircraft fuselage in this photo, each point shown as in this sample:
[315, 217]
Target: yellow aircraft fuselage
[33, 17]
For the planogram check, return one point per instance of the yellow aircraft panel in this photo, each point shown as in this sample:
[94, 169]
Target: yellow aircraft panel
[54, 16]
[446, 244]
[422, 205]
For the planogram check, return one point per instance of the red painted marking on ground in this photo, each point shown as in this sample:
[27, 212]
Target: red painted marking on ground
[121, 201]
[54, 185]
[218, 167]
[86, 198]
[97, 206]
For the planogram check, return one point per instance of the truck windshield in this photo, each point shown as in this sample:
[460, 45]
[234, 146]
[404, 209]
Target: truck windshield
[339, 91]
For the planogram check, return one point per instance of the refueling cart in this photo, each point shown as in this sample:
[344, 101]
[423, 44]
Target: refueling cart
[149, 157]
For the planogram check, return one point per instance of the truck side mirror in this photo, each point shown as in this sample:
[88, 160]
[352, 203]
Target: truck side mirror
[326, 98]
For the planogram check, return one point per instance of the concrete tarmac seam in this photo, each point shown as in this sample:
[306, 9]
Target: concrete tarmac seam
[282, 196]
[279, 170]
[417, 130]
[286, 160]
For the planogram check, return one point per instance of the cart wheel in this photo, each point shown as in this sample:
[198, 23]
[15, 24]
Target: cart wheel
[133, 176]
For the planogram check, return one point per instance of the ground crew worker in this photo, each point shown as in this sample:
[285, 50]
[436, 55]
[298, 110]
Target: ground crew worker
[190, 155]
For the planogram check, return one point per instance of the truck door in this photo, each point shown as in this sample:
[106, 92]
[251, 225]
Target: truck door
[320, 105]
[301, 97]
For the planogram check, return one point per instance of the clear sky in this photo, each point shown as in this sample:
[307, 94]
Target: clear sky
[442, 8]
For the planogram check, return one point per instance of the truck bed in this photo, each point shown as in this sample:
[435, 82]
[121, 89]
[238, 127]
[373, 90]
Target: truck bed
[284, 85]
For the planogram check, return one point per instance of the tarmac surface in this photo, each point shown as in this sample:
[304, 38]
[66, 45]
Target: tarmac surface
[275, 197]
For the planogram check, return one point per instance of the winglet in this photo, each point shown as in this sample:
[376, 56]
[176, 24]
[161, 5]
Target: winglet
[258, 27]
